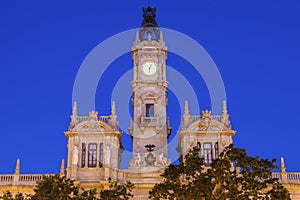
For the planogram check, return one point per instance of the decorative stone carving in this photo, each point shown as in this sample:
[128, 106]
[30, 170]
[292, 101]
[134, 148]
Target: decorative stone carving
[206, 114]
[90, 126]
[138, 160]
[93, 115]
[150, 159]
[163, 160]
[75, 156]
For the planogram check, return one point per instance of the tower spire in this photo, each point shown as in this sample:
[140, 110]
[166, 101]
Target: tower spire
[62, 167]
[186, 108]
[113, 108]
[282, 165]
[17, 170]
[225, 111]
[74, 111]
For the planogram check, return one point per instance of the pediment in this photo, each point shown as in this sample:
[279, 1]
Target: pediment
[207, 125]
[92, 126]
[149, 97]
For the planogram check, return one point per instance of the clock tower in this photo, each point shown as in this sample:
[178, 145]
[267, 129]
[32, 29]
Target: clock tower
[149, 127]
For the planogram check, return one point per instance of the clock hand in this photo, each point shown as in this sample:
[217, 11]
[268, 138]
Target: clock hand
[150, 68]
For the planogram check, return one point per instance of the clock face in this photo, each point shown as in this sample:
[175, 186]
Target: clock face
[149, 68]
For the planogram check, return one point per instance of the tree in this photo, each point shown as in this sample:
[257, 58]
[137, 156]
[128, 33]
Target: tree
[235, 175]
[117, 191]
[56, 187]
[8, 196]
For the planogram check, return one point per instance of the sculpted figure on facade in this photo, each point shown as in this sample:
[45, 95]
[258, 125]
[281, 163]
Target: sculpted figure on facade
[163, 160]
[107, 155]
[138, 160]
[75, 155]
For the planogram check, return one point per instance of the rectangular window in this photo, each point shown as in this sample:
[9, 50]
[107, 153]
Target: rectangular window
[101, 155]
[83, 153]
[217, 150]
[207, 153]
[149, 110]
[92, 156]
[199, 148]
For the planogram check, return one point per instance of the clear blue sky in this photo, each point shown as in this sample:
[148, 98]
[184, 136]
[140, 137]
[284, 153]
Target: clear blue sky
[255, 44]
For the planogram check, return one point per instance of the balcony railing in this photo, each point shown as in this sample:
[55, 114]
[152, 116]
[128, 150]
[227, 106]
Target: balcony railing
[149, 121]
[100, 118]
[18, 179]
[31, 179]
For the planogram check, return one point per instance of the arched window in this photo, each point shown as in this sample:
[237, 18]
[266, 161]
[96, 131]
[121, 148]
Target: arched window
[199, 145]
[83, 153]
[217, 150]
[101, 155]
[207, 153]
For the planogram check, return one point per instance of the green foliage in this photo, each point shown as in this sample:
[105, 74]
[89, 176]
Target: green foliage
[117, 191]
[192, 179]
[55, 187]
[8, 196]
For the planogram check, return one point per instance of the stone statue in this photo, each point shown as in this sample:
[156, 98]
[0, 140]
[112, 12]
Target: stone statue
[138, 160]
[107, 155]
[163, 160]
[75, 155]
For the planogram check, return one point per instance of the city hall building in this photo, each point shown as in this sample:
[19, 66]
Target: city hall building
[94, 141]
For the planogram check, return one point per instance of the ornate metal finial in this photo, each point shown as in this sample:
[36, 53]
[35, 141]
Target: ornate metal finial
[149, 17]
[282, 165]
[17, 170]
[150, 147]
[149, 24]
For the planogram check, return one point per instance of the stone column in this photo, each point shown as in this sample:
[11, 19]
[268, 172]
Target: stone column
[86, 155]
[283, 174]
[17, 173]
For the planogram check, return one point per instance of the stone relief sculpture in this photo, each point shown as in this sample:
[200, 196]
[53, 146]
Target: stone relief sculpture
[107, 155]
[138, 160]
[75, 155]
[163, 160]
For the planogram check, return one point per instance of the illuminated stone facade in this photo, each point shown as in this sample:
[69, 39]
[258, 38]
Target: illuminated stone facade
[94, 142]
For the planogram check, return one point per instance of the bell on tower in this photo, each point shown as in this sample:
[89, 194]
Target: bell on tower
[149, 27]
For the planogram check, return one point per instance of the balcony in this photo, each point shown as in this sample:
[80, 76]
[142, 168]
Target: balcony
[149, 121]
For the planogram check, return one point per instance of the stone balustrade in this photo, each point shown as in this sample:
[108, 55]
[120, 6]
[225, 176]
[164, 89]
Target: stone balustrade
[287, 177]
[86, 118]
[20, 179]
[194, 118]
[31, 179]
